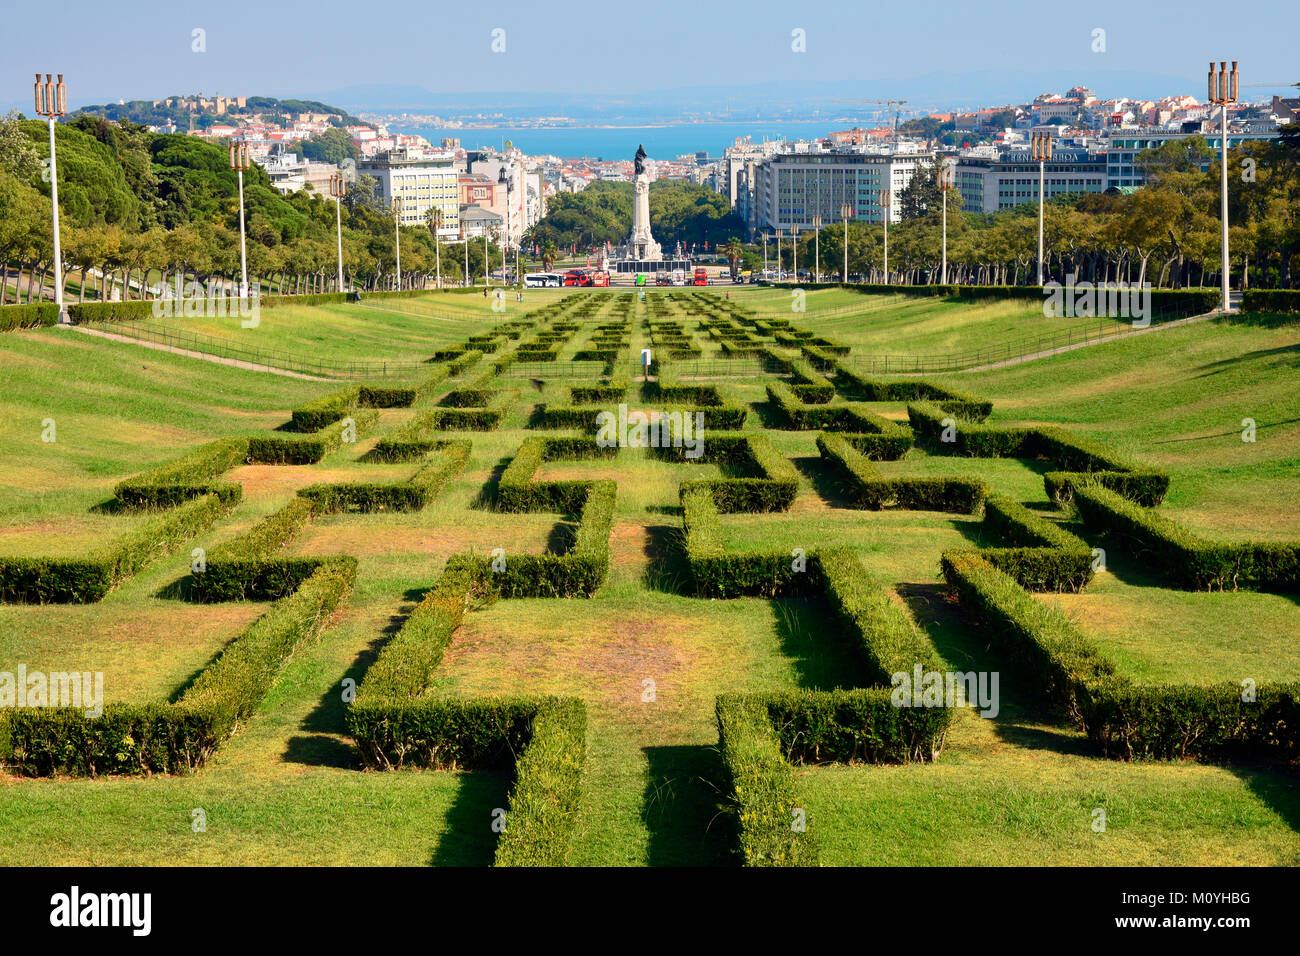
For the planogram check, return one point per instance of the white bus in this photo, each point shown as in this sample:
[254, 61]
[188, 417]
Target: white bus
[543, 280]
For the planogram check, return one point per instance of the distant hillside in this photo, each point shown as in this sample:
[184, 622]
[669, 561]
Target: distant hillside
[200, 112]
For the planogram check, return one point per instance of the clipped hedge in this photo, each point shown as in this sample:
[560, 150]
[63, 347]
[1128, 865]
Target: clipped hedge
[1037, 638]
[771, 482]
[30, 316]
[250, 567]
[1043, 557]
[855, 726]
[1187, 559]
[760, 786]
[40, 580]
[1270, 300]
[311, 448]
[867, 488]
[189, 476]
[411, 495]
[715, 573]
[180, 737]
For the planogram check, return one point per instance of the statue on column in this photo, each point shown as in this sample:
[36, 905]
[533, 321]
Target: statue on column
[639, 160]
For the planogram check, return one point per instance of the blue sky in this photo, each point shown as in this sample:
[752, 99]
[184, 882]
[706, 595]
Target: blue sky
[142, 50]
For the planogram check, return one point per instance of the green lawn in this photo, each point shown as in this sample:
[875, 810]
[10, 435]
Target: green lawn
[288, 789]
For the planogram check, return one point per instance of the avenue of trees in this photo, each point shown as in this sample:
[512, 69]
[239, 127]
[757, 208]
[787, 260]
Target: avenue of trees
[136, 209]
[1167, 233]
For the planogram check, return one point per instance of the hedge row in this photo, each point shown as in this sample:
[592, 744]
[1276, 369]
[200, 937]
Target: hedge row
[1036, 638]
[855, 726]
[1270, 300]
[30, 316]
[412, 439]
[760, 786]
[578, 572]
[1217, 722]
[1187, 559]
[1165, 301]
[250, 567]
[189, 476]
[40, 580]
[1080, 460]
[881, 633]
[769, 481]
[1043, 557]
[411, 495]
[867, 488]
[887, 440]
[517, 491]
[960, 405]
[180, 737]
[716, 573]
[309, 449]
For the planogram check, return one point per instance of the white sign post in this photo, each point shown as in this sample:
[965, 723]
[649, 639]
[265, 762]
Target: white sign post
[645, 364]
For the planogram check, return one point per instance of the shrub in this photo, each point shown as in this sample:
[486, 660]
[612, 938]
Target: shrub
[319, 412]
[249, 567]
[30, 316]
[1046, 557]
[187, 477]
[1036, 637]
[760, 786]
[1189, 560]
[869, 489]
[717, 574]
[275, 450]
[37, 580]
[180, 737]
[855, 726]
[1146, 486]
[411, 495]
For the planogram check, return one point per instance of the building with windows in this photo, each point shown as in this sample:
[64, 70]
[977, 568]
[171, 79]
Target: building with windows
[1124, 146]
[424, 180]
[792, 187]
[989, 183]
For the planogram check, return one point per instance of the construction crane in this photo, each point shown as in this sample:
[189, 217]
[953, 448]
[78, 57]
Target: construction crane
[893, 113]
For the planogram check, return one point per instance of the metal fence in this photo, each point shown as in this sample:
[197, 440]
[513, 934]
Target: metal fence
[263, 358]
[1104, 330]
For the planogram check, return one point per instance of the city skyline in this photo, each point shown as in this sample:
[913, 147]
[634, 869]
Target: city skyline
[458, 54]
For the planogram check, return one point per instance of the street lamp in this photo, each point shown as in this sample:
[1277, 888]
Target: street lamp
[946, 178]
[396, 204]
[846, 213]
[435, 224]
[885, 198]
[817, 247]
[794, 251]
[52, 101]
[765, 254]
[1041, 151]
[1223, 90]
[239, 161]
[337, 190]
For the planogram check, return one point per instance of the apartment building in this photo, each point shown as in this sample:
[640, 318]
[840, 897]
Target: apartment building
[989, 183]
[424, 180]
[790, 188]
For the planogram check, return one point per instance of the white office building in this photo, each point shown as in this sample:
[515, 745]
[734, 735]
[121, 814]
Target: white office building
[423, 180]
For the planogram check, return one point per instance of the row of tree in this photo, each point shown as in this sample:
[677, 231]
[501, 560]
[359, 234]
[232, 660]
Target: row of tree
[137, 209]
[1167, 233]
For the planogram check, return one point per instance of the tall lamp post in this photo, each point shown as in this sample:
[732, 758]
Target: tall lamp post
[765, 270]
[396, 204]
[946, 178]
[794, 250]
[817, 247]
[239, 161]
[52, 102]
[1041, 151]
[337, 190]
[435, 224]
[886, 200]
[1223, 90]
[846, 213]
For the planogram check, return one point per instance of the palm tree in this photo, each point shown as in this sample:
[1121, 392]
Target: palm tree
[549, 255]
[733, 250]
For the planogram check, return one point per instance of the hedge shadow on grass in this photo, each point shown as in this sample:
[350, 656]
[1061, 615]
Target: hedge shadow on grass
[666, 568]
[467, 836]
[821, 655]
[680, 807]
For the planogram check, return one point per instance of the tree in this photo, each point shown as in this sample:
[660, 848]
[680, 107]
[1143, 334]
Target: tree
[733, 250]
[332, 146]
